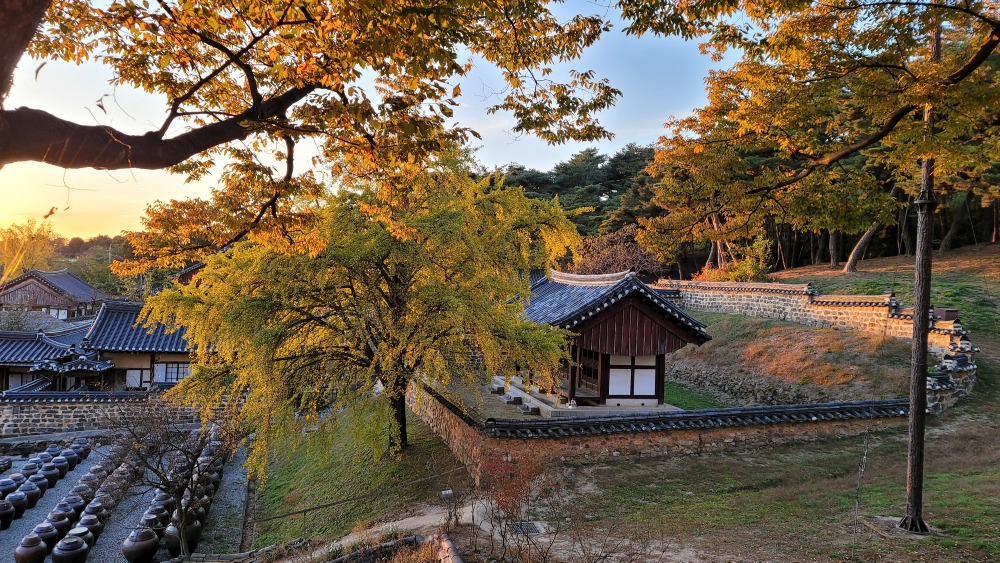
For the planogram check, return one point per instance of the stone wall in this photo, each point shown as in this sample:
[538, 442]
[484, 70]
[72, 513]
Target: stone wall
[881, 315]
[27, 417]
[471, 445]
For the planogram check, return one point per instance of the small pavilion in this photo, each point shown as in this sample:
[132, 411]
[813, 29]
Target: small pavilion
[624, 330]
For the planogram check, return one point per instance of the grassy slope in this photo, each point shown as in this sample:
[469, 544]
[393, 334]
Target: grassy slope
[797, 501]
[328, 468]
[688, 397]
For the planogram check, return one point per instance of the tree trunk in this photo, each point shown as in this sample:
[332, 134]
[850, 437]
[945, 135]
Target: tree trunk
[399, 440]
[21, 19]
[834, 249]
[995, 238]
[957, 221]
[820, 245]
[859, 249]
[913, 521]
[904, 228]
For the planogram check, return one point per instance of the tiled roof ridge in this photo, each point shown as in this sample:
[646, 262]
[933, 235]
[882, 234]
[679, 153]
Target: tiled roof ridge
[848, 300]
[589, 279]
[789, 288]
[626, 286]
[43, 277]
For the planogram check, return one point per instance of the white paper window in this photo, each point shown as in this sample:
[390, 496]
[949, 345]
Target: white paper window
[645, 382]
[620, 382]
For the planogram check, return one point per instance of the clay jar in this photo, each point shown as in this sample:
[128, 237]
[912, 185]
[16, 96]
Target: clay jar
[53, 449]
[96, 508]
[18, 478]
[32, 492]
[31, 550]
[51, 472]
[6, 514]
[70, 550]
[92, 523]
[62, 464]
[85, 492]
[7, 486]
[71, 457]
[192, 533]
[60, 521]
[76, 503]
[40, 481]
[82, 533]
[48, 533]
[160, 512]
[29, 469]
[19, 501]
[166, 501]
[5, 463]
[172, 540]
[99, 470]
[140, 546]
[152, 522]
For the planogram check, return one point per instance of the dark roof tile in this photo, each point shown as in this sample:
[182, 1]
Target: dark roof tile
[116, 330]
[62, 281]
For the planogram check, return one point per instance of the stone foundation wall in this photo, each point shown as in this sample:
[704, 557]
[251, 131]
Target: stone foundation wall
[472, 446]
[26, 417]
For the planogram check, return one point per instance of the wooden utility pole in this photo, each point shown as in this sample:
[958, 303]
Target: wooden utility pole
[925, 203]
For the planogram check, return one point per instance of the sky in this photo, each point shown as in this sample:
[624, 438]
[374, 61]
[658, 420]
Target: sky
[658, 77]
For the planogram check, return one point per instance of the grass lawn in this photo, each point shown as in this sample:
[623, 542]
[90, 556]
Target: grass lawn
[689, 398]
[330, 468]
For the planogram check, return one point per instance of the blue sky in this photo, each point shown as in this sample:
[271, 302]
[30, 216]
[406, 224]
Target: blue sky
[658, 77]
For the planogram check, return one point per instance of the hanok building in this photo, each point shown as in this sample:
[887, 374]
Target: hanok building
[142, 357]
[59, 293]
[50, 361]
[624, 330]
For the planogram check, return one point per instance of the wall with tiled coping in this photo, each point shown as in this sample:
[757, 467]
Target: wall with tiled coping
[471, 445]
[880, 315]
[27, 416]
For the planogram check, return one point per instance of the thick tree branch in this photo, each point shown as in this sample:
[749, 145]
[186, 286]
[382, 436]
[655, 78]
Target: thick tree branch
[34, 135]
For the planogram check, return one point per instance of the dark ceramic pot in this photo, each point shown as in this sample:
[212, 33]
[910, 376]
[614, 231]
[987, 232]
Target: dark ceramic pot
[83, 533]
[29, 469]
[160, 512]
[19, 501]
[166, 501]
[97, 508]
[40, 481]
[41, 458]
[53, 449]
[18, 478]
[78, 450]
[48, 533]
[71, 457]
[152, 522]
[192, 534]
[140, 546]
[5, 464]
[31, 550]
[70, 550]
[60, 521]
[99, 470]
[85, 492]
[172, 540]
[62, 464]
[6, 514]
[7, 486]
[32, 492]
[75, 502]
[51, 472]
[92, 523]
[91, 480]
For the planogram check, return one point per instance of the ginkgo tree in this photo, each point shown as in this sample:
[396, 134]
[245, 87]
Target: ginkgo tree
[434, 290]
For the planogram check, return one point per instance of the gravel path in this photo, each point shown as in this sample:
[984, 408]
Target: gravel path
[223, 528]
[11, 537]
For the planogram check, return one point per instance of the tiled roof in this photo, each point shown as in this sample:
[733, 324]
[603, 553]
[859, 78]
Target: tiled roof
[115, 330]
[28, 348]
[785, 288]
[62, 281]
[565, 300]
[86, 361]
